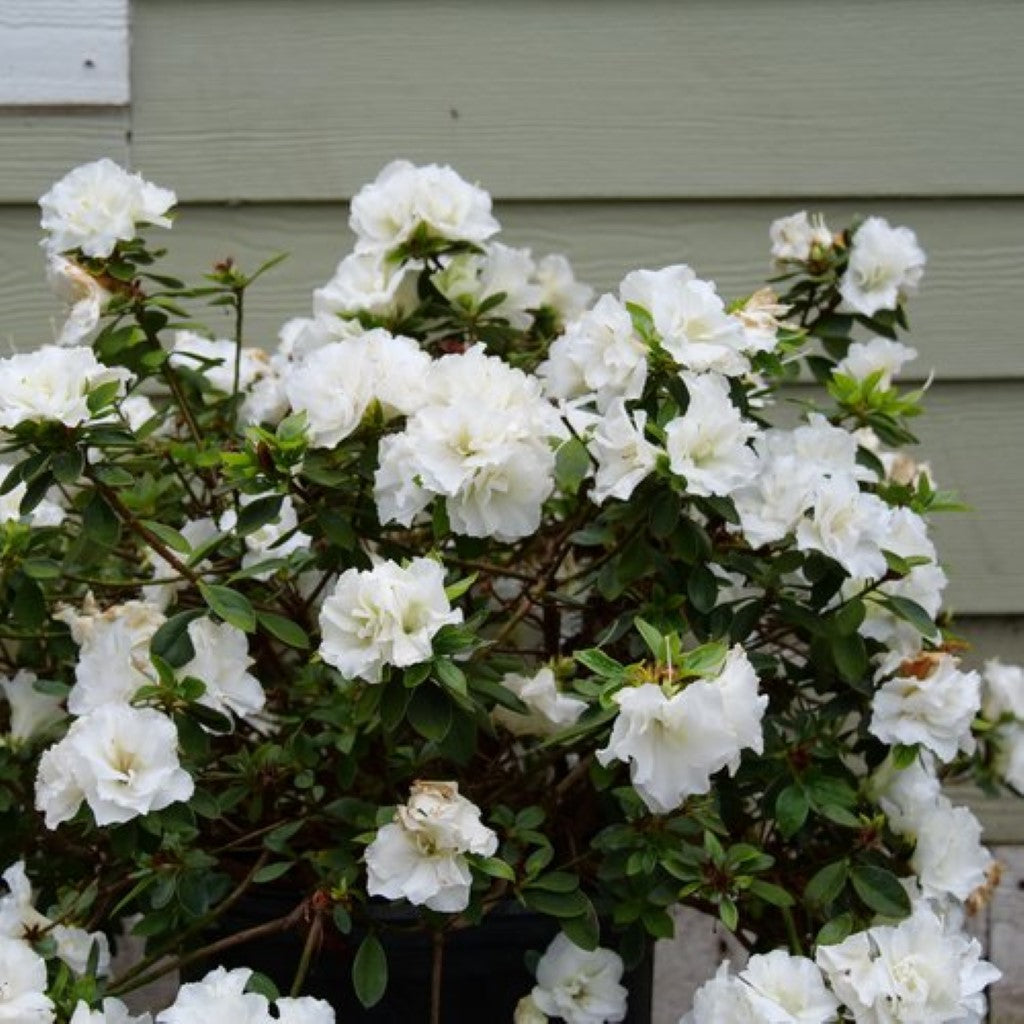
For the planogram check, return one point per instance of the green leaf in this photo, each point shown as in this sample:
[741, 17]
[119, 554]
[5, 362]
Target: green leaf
[557, 881]
[496, 868]
[102, 396]
[572, 462]
[270, 872]
[771, 893]
[654, 639]
[370, 971]
[287, 631]
[911, 612]
[827, 883]
[728, 913]
[585, 930]
[702, 588]
[172, 642]
[68, 466]
[600, 664]
[230, 605]
[904, 756]
[257, 513]
[791, 807]
[430, 712]
[555, 904]
[100, 524]
[164, 533]
[835, 930]
[850, 656]
[261, 985]
[41, 568]
[880, 890]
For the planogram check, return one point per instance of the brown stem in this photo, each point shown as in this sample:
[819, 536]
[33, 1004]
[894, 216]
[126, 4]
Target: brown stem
[127, 517]
[279, 924]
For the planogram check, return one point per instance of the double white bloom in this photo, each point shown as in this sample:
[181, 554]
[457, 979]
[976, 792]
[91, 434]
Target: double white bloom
[774, 988]
[885, 264]
[421, 854]
[384, 616]
[579, 986]
[23, 998]
[52, 383]
[99, 204]
[674, 744]
[920, 971]
[386, 213]
[122, 761]
[221, 996]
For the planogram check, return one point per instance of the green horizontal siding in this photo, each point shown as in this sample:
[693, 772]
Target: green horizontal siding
[574, 99]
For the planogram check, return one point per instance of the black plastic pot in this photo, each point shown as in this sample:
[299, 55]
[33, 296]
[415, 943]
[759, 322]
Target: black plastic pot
[484, 969]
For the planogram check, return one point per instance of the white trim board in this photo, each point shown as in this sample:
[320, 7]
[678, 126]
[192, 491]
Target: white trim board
[64, 53]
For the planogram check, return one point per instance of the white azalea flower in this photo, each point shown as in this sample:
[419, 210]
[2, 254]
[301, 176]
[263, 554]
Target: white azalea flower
[849, 525]
[31, 712]
[550, 710]
[384, 616]
[906, 795]
[335, 384]
[304, 1010]
[19, 919]
[785, 989]
[366, 282]
[84, 296]
[99, 204]
[122, 761]
[921, 971]
[52, 383]
[489, 458]
[690, 319]
[385, 213]
[578, 986]
[220, 996]
[708, 444]
[113, 656]
[470, 279]
[221, 662]
[420, 855]
[885, 264]
[794, 236]
[624, 455]
[929, 701]
[879, 355]
[598, 354]
[527, 1012]
[722, 999]
[112, 1011]
[949, 859]
[674, 745]
[559, 289]
[1002, 690]
[23, 998]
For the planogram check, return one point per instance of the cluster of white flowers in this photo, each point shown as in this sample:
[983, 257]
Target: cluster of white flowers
[420, 856]
[885, 264]
[52, 383]
[386, 615]
[924, 970]
[774, 988]
[19, 920]
[489, 458]
[675, 743]
[222, 996]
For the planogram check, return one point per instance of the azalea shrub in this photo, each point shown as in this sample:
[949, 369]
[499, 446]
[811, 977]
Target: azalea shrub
[478, 589]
